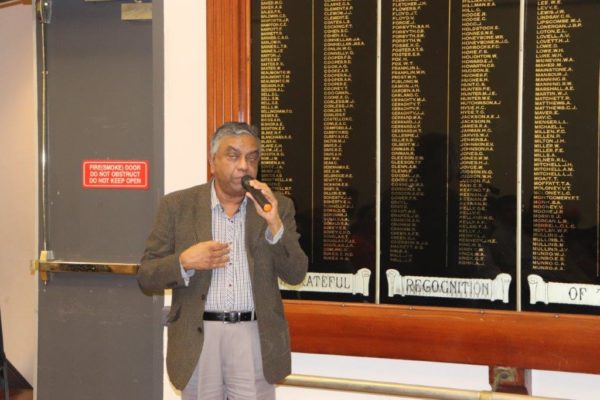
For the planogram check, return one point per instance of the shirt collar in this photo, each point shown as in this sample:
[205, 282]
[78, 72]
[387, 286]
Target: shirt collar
[214, 200]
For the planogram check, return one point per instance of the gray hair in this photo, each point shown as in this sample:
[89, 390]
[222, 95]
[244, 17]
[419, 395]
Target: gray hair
[232, 129]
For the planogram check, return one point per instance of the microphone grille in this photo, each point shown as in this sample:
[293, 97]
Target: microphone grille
[245, 181]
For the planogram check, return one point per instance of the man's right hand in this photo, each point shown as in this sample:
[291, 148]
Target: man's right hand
[205, 255]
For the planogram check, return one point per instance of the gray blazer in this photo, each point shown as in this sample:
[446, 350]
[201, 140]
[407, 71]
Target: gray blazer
[184, 219]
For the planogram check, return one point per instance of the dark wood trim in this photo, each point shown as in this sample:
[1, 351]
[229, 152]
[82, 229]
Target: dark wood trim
[560, 342]
[228, 62]
[245, 56]
[520, 339]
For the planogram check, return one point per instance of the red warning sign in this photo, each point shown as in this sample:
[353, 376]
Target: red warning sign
[115, 174]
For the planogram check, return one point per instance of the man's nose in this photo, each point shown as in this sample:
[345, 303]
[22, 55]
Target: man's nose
[243, 164]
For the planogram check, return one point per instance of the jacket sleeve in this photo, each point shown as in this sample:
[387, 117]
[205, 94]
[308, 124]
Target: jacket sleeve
[160, 267]
[290, 262]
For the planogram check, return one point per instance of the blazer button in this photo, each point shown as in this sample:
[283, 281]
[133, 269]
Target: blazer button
[203, 297]
[200, 329]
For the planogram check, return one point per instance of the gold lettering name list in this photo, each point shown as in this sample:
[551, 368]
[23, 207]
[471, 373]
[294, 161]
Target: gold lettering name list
[406, 123]
[273, 80]
[338, 51]
[479, 45]
[552, 102]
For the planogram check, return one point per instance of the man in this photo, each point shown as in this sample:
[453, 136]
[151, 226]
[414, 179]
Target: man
[222, 255]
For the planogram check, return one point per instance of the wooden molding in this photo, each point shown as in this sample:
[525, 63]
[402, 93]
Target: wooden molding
[228, 59]
[228, 62]
[560, 342]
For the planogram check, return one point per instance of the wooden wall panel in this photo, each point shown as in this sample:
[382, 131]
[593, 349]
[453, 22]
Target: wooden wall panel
[228, 58]
[526, 340]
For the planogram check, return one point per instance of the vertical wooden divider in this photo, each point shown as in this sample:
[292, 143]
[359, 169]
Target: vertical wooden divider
[228, 62]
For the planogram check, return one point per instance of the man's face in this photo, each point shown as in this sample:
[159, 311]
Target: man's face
[236, 156]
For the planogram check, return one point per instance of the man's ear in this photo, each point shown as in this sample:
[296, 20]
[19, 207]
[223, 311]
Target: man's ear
[211, 163]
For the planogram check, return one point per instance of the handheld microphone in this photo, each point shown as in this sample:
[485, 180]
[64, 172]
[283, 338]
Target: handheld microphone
[257, 194]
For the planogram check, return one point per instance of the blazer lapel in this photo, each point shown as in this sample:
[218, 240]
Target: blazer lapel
[202, 231]
[255, 227]
[203, 214]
